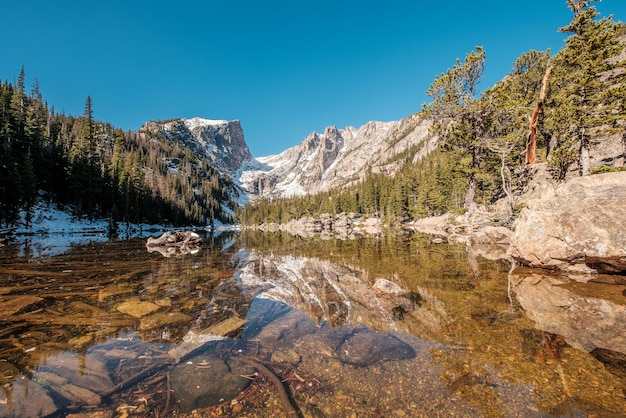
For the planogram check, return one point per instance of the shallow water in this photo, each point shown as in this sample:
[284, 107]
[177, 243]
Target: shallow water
[383, 326]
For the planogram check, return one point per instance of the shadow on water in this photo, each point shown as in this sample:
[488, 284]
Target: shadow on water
[269, 324]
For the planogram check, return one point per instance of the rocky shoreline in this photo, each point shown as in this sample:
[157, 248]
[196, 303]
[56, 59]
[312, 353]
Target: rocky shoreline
[576, 228]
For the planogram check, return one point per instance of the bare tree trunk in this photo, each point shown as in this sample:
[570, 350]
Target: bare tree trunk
[584, 160]
[506, 185]
[531, 143]
[469, 203]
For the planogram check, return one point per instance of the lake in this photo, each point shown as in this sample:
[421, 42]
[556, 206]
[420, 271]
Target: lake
[266, 325]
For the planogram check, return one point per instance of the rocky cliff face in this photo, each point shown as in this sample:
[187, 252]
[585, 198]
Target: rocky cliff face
[337, 157]
[219, 141]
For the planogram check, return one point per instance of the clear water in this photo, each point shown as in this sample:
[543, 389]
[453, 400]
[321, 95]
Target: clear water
[399, 325]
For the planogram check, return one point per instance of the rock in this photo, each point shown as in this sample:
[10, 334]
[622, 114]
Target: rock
[76, 394]
[219, 141]
[580, 229]
[286, 355]
[175, 243]
[584, 321]
[491, 235]
[384, 286]
[364, 348]
[27, 399]
[161, 319]
[195, 339]
[226, 327]
[205, 381]
[137, 308]
[92, 374]
[336, 158]
[432, 226]
[10, 305]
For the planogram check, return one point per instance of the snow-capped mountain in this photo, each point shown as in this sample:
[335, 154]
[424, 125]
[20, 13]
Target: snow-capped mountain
[336, 158]
[219, 141]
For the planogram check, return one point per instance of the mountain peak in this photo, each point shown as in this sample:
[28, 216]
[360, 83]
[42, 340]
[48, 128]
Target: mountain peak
[331, 132]
[219, 141]
[334, 159]
[201, 122]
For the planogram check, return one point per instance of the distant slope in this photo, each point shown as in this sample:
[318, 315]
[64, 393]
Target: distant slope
[221, 142]
[336, 158]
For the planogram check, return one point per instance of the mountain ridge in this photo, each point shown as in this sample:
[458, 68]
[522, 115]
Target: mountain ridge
[321, 161]
[221, 142]
[335, 158]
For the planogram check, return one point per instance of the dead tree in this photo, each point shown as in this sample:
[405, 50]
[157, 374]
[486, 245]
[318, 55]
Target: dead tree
[531, 143]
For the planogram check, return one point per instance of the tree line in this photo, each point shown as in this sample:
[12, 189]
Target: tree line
[549, 107]
[97, 170]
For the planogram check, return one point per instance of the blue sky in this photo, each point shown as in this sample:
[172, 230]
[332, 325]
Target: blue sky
[284, 68]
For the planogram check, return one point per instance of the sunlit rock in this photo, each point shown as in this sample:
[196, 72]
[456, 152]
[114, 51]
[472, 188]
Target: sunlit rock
[162, 319]
[336, 157]
[175, 243]
[578, 229]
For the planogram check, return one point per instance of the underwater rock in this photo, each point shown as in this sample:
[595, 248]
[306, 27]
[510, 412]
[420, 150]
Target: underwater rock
[137, 308]
[364, 348]
[25, 398]
[10, 305]
[204, 381]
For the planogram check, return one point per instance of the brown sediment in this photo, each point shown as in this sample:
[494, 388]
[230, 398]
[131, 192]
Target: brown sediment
[282, 392]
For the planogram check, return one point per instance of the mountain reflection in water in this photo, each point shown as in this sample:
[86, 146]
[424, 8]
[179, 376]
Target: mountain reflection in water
[380, 326]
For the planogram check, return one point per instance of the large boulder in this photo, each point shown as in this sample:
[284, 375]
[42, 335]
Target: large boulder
[175, 243]
[577, 228]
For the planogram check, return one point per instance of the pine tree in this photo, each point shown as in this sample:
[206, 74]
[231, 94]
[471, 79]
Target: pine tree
[586, 93]
[459, 117]
[21, 147]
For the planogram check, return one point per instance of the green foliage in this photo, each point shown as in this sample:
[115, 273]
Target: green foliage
[433, 186]
[562, 158]
[458, 116]
[97, 170]
[481, 157]
[606, 169]
[587, 90]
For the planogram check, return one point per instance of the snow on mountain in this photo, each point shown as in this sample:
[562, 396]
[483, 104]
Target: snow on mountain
[220, 141]
[336, 158]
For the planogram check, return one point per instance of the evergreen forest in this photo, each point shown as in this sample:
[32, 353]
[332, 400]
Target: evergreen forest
[98, 171]
[551, 108]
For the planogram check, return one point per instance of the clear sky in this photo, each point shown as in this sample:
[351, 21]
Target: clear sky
[284, 68]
